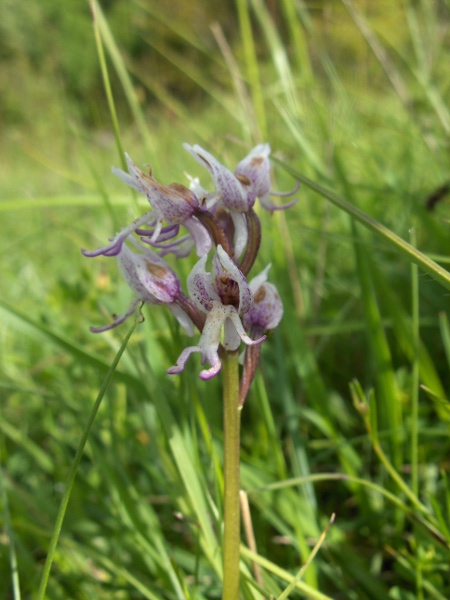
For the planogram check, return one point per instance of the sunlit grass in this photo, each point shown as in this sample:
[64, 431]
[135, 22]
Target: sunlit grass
[352, 102]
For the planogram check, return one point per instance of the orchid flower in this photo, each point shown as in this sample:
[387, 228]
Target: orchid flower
[152, 281]
[221, 304]
[265, 313]
[173, 203]
[256, 167]
[237, 191]
[224, 296]
[267, 309]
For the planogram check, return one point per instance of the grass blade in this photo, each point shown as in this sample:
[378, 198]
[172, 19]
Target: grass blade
[73, 471]
[388, 406]
[73, 349]
[392, 239]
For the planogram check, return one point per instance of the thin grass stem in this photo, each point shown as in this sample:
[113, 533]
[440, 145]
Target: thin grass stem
[107, 83]
[415, 373]
[73, 471]
[392, 239]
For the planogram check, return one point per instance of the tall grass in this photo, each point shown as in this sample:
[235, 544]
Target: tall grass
[348, 414]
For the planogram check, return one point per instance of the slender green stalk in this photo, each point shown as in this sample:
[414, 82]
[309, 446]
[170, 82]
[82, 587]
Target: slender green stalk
[252, 66]
[73, 470]
[231, 450]
[415, 404]
[106, 83]
[415, 375]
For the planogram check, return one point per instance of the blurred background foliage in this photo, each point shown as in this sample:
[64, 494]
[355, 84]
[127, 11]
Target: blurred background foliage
[49, 60]
[355, 95]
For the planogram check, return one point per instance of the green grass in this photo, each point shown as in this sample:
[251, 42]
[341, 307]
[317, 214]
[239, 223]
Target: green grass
[348, 413]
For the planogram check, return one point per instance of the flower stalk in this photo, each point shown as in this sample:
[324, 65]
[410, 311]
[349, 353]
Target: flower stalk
[232, 424]
[221, 304]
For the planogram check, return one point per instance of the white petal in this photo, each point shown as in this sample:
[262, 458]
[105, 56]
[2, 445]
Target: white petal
[200, 287]
[258, 281]
[182, 318]
[240, 232]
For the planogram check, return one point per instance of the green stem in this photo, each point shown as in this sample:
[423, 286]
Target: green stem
[231, 448]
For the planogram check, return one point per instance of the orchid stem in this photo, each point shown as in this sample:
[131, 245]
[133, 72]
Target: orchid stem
[231, 450]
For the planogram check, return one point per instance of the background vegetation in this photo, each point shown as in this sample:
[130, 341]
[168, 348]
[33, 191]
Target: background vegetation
[349, 413]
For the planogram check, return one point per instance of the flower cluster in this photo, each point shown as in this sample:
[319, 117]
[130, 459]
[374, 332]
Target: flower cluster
[224, 307]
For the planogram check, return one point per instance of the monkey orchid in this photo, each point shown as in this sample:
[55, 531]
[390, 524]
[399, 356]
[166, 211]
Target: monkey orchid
[173, 203]
[234, 193]
[152, 281]
[224, 296]
[256, 167]
[267, 309]
[224, 308]
[237, 191]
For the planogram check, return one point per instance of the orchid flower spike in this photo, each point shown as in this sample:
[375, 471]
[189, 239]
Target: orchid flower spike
[224, 296]
[221, 304]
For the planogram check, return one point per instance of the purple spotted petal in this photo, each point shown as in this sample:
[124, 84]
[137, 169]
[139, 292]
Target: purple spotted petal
[173, 202]
[256, 166]
[149, 276]
[267, 309]
[208, 344]
[235, 319]
[237, 193]
[200, 288]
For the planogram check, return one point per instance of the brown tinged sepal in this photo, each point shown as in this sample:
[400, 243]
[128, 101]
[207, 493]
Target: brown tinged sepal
[188, 306]
[253, 243]
[214, 229]
[251, 361]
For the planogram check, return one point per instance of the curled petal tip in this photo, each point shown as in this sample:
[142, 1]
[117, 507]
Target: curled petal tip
[207, 374]
[286, 194]
[256, 342]
[102, 329]
[267, 204]
[111, 250]
[174, 370]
